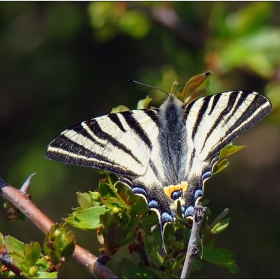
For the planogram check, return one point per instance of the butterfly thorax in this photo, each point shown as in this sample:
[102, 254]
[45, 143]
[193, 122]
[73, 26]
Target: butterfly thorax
[172, 139]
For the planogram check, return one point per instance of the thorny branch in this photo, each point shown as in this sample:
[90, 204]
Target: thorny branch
[22, 202]
[193, 250]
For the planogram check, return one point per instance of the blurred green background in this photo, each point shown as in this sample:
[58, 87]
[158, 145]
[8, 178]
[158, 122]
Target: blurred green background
[65, 62]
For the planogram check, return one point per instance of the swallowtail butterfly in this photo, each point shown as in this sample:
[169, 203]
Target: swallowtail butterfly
[164, 154]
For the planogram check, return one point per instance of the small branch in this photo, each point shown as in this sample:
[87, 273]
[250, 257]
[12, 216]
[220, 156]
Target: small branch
[21, 201]
[8, 262]
[193, 250]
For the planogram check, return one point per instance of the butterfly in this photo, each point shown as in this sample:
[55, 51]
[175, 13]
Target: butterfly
[164, 155]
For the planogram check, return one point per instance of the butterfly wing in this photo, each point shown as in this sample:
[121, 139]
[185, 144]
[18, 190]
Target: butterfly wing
[218, 119]
[212, 122]
[120, 143]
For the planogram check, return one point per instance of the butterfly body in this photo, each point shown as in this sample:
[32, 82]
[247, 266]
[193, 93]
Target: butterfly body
[163, 155]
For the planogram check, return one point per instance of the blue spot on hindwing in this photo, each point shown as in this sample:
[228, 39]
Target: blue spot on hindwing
[153, 204]
[197, 194]
[206, 175]
[189, 211]
[166, 218]
[176, 194]
[139, 190]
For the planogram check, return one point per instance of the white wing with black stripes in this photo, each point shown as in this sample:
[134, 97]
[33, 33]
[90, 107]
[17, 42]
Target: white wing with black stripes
[164, 155]
[120, 143]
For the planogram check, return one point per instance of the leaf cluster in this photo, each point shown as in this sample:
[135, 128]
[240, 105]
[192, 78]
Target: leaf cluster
[30, 260]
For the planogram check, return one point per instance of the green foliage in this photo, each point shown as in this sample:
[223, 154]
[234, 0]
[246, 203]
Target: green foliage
[125, 220]
[109, 18]
[71, 61]
[225, 152]
[195, 87]
[30, 260]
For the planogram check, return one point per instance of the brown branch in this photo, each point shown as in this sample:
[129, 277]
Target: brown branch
[8, 262]
[193, 250]
[21, 201]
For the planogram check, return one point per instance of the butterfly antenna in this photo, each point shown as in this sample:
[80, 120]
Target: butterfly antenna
[133, 81]
[202, 75]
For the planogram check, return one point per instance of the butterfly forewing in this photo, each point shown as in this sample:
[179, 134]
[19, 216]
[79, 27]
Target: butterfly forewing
[120, 143]
[214, 121]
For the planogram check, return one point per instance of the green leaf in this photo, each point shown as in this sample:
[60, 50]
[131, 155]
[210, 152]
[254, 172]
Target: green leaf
[130, 271]
[197, 265]
[208, 245]
[59, 242]
[2, 239]
[219, 217]
[32, 253]
[120, 108]
[229, 150]
[144, 103]
[225, 152]
[14, 246]
[195, 87]
[140, 207]
[88, 218]
[134, 23]
[47, 275]
[221, 257]
[43, 264]
[105, 190]
[233, 268]
[249, 19]
[220, 165]
[219, 227]
[84, 200]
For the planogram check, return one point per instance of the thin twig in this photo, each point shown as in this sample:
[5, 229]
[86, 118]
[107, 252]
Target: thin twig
[8, 262]
[193, 250]
[21, 201]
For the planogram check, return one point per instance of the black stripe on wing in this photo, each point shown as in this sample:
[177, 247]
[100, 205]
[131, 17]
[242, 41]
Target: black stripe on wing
[95, 128]
[115, 119]
[226, 112]
[200, 116]
[246, 107]
[153, 114]
[79, 129]
[136, 127]
[246, 120]
[69, 152]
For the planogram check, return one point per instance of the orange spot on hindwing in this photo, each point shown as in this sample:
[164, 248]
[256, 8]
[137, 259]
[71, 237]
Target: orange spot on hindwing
[175, 191]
